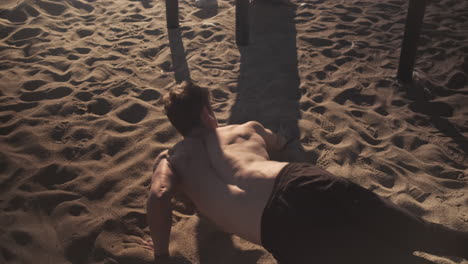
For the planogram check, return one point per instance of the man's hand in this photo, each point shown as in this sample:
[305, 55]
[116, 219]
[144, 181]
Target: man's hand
[274, 141]
[161, 257]
[282, 138]
[148, 244]
[288, 148]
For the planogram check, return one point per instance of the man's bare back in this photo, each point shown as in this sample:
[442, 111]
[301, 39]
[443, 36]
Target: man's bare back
[228, 175]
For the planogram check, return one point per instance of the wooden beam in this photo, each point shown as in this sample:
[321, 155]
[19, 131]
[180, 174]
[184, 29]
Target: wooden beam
[414, 21]
[172, 13]
[242, 22]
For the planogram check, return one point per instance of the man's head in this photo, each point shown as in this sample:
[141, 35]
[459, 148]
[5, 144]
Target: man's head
[188, 106]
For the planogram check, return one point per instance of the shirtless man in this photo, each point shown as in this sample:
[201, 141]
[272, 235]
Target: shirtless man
[298, 212]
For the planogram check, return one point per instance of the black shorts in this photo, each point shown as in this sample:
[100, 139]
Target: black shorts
[313, 216]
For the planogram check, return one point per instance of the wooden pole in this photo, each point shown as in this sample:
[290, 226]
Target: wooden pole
[242, 22]
[172, 13]
[414, 20]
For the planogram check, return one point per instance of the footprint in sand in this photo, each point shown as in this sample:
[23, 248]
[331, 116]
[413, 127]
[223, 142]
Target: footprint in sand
[135, 218]
[327, 154]
[92, 60]
[458, 81]
[324, 123]
[52, 8]
[133, 114]
[354, 53]
[149, 53]
[135, 18]
[330, 68]
[59, 92]
[145, 3]
[26, 33]
[4, 119]
[451, 150]
[84, 96]
[122, 88]
[355, 95]
[33, 84]
[154, 32]
[72, 57]
[55, 174]
[321, 75]
[57, 77]
[99, 106]
[82, 135]
[18, 107]
[59, 131]
[347, 18]
[127, 43]
[6, 31]
[82, 33]
[164, 135]
[383, 174]
[70, 208]
[318, 42]
[16, 15]
[331, 53]
[55, 93]
[83, 50]
[48, 200]
[418, 194]
[149, 95]
[113, 145]
[343, 60]
[81, 5]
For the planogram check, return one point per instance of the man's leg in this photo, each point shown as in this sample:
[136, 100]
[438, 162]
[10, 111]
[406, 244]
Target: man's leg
[316, 216]
[381, 218]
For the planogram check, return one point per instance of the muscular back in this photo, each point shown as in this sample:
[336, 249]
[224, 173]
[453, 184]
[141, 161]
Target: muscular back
[228, 175]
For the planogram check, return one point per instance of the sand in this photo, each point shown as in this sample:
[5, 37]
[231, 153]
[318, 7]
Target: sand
[81, 117]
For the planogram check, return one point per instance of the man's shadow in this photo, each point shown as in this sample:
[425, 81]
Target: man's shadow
[268, 85]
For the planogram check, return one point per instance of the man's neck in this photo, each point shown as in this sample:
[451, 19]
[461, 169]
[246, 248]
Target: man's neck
[197, 132]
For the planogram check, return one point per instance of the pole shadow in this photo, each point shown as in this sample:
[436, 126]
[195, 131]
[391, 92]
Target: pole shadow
[179, 62]
[208, 8]
[268, 84]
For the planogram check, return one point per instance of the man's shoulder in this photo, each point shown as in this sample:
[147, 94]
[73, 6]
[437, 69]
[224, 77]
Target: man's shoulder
[250, 125]
[245, 130]
[171, 155]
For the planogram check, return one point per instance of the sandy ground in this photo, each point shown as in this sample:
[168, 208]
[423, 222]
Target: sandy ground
[81, 116]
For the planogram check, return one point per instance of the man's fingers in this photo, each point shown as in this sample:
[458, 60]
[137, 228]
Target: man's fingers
[147, 247]
[139, 239]
[145, 243]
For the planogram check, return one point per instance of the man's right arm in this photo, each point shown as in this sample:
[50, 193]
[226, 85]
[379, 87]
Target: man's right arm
[159, 209]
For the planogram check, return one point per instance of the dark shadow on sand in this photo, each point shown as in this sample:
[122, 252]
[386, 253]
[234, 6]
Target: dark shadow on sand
[209, 9]
[438, 113]
[220, 248]
[267, 92]
[179, 62]
[268, 84]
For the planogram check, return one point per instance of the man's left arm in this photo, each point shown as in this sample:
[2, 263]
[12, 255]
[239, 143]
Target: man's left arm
[159, 208]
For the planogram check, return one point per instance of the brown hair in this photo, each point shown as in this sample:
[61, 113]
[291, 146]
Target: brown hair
[183, 105]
